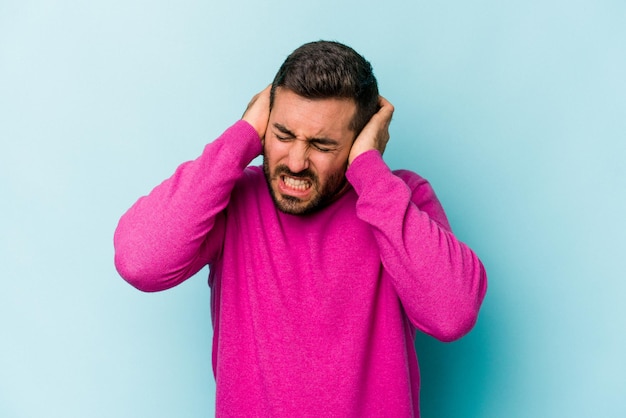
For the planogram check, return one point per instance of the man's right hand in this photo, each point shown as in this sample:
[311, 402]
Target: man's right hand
[257, 113]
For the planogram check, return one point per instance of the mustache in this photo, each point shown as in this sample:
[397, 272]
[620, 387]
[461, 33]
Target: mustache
[306, 173]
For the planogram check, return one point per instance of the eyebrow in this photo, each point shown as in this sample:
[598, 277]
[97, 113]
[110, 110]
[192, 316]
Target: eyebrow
[325, 141]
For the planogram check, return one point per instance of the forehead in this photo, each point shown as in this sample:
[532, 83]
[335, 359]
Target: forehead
[311, 118]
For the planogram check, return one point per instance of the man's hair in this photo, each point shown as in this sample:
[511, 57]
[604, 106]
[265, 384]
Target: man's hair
[327, 69]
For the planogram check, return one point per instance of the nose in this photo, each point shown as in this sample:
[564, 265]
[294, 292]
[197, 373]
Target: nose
[298, 156]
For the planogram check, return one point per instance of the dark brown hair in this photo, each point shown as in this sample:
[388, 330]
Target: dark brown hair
[327, 69]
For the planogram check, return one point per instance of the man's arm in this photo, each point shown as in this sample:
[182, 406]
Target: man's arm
[167, 236]
[440, 280]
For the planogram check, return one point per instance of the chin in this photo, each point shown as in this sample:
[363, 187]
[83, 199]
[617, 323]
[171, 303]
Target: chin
[294, 206]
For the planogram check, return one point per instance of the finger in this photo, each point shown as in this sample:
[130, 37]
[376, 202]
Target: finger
[385, 107]
[262, 95]
[257, 111]
[384, 102]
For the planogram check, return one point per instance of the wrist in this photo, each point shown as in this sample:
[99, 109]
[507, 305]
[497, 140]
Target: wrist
[260, 130]
[357, 151]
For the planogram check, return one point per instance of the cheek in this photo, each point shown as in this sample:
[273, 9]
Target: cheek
[274, 150]
[330, 165]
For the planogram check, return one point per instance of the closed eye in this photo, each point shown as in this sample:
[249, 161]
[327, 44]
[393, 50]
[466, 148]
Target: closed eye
[283, 137]
[320, 147]
[282, 133]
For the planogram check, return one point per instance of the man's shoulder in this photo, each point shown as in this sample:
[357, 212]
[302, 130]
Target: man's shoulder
[251, 180]
[411, 178]
[253, 173]
[250, 189]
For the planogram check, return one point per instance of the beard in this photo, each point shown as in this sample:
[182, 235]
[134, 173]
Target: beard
[323, 193]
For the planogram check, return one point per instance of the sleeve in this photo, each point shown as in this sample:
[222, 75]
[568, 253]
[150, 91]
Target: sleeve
[440, 281]
[170, 234]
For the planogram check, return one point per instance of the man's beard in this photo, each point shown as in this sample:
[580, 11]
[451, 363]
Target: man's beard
[324, 194]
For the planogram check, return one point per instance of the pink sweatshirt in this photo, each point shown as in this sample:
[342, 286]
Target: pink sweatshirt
[313, 315]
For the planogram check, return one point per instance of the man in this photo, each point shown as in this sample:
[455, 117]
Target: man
[323, 263]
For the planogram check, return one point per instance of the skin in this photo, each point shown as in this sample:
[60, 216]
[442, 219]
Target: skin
[308, 145]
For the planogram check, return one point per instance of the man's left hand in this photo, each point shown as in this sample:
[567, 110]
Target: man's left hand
[375, 134]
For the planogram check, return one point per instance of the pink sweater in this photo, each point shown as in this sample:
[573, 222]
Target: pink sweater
[313, 315]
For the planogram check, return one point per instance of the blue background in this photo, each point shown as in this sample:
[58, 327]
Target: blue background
[516, 112]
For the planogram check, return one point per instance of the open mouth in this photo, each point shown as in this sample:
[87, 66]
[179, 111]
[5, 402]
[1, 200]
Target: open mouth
[295, 186]
[295, 183]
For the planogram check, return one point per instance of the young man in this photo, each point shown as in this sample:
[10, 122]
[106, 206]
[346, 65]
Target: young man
[323, 263]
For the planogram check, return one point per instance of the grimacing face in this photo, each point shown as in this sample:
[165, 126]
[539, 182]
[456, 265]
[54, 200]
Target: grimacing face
[305, 151]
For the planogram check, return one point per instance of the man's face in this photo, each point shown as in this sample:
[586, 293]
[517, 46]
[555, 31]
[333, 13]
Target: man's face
[306, 150]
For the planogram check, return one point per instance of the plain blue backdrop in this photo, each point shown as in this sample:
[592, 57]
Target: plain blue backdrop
[515, 111]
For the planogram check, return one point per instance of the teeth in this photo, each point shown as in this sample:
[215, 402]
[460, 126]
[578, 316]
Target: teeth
[297, 184]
